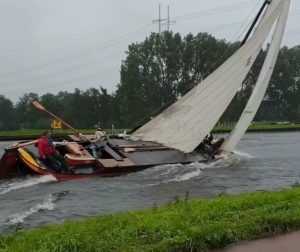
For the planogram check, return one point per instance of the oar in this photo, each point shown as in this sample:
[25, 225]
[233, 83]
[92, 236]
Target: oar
[15, 146]
[130, 150]
[39, 106]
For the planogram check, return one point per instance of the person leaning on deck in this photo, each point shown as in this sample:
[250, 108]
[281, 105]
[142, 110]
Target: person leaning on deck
[47, 151]
[98, 141]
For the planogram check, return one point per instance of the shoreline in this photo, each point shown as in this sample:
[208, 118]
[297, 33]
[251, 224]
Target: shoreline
[181, 225]
[32, 135]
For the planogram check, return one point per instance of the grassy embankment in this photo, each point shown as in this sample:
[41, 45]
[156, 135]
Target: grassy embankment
[179, 226]
[258, 127]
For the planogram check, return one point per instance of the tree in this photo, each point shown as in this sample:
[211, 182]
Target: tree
[155, 73]
[7, 114]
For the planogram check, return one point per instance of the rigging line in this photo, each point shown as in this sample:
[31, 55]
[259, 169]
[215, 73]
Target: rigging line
[88, 51]
[63, 71]
[245, 22]
[62, 83]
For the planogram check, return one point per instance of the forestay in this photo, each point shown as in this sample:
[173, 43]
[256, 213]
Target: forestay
[261, 84]
[185, 123]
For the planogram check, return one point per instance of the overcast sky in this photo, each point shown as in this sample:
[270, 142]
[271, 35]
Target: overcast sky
[55, 45]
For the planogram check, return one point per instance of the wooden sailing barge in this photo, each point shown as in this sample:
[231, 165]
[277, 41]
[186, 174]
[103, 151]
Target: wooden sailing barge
[177, 134]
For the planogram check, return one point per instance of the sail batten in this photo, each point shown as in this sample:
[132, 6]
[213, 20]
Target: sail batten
[261, 85]
[184, 124]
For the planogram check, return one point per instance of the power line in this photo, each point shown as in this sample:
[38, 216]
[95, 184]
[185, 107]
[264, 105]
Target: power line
[74, 56]
[219, 27]
[113, 42]
[116, 55]
[63, 83]
[112, 70]
[76, 67]
[214, 11]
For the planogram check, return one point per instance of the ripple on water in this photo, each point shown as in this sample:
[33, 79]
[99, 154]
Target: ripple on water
[262, 162]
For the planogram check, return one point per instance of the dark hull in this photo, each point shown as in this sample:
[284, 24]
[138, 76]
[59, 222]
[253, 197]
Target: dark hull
[44, 168]
[116, 161]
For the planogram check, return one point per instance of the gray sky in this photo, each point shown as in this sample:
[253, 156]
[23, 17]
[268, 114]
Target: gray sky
[55, 45]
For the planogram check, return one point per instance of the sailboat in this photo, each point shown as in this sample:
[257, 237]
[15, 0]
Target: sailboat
[185, 124]
[177, 134]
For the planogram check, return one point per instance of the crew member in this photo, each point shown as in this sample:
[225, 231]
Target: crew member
[47, 151]
[98, 142]
[208, 139]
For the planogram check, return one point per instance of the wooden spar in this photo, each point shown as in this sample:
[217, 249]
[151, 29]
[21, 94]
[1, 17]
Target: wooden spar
[39, 106]
[16, 146]
[130, 150]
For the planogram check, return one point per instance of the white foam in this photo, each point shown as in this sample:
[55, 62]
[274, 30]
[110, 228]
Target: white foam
[243, 154]
[27, 183]
[48, 204]
[186, 176]
[163, 174]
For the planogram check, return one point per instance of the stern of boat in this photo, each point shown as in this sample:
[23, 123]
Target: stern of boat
[8, 164]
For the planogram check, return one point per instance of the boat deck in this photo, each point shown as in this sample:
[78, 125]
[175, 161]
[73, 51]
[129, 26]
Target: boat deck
[154, 156]
[151, 157]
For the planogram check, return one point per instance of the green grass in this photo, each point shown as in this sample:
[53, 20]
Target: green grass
[183, 225]
[262, 127]
[265, 127]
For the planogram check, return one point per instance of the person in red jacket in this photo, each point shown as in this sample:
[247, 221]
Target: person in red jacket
[47, 151]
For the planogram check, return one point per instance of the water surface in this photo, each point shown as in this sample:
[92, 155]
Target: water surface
[264, 161]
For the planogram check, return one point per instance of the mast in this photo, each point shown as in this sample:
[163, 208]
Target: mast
[267, 2]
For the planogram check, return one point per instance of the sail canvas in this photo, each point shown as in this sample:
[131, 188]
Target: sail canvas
[184, 124]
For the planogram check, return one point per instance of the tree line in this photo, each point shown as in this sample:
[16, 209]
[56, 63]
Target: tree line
[155, 73]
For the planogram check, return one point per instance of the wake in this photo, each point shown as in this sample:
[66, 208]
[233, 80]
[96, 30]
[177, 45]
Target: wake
[12, 186]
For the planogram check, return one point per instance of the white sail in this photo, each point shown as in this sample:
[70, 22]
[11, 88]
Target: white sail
[261, 85]
[185, 123]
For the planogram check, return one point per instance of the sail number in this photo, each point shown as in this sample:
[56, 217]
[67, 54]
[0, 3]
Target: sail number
[56, 124]
[249, 61]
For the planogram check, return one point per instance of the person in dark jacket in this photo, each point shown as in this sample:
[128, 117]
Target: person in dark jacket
[47, 151]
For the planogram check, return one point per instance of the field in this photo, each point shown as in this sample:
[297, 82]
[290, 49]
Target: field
[256, 127]
[181, 225]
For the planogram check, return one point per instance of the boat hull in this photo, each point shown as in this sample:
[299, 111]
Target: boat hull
[43, 168]
[119, 157]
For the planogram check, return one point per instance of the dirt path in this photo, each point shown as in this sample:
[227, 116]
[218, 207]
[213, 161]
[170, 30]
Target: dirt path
[284, 243]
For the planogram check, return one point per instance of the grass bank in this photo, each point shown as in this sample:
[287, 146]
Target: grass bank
[219, 129]
[263, 127]
[182, 225]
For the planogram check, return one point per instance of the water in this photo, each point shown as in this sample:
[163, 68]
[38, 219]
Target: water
[264, 161]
